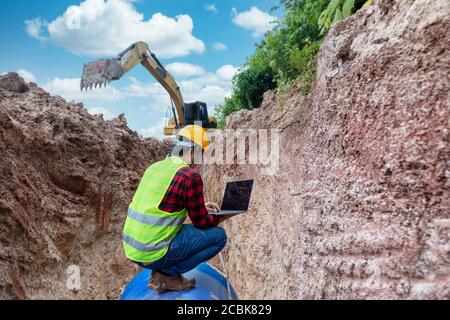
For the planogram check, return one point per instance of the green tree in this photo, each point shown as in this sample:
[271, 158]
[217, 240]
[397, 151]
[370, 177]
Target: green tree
[338, 10]
[287, 54]
[249, 86]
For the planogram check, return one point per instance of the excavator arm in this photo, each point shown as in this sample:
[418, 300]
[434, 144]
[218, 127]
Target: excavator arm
[103, 71]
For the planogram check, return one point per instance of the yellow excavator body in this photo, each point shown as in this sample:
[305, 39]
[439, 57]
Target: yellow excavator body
[170, 128]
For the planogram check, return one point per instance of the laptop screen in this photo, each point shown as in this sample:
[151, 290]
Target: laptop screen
[237, 195]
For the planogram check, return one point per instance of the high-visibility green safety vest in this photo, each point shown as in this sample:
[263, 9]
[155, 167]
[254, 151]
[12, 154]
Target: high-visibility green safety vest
[148, 231]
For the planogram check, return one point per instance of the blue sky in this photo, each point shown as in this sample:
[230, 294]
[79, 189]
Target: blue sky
[202, 43]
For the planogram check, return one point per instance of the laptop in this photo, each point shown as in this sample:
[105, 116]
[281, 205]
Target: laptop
[236, 198]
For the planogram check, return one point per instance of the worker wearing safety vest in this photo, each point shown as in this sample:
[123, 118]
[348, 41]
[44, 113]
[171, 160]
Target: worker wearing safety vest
[154, 235]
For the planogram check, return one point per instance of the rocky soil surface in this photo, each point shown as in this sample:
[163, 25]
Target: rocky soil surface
[360, 205]
[358, 208]
[66, 179]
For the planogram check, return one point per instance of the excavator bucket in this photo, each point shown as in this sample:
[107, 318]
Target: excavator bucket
[100, 73]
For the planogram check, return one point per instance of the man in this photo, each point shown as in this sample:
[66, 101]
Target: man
[154, 235]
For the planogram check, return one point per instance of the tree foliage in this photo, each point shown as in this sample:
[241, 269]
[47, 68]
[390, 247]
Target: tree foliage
[287, 53]
[338, 10]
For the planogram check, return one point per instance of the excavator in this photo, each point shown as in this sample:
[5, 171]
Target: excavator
[102, 72]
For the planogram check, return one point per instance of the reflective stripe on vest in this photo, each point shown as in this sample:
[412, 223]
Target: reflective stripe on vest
[145, 247]
[157, 221]
[148, 230]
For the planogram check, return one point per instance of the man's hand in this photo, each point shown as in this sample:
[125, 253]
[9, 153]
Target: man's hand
[211, 206]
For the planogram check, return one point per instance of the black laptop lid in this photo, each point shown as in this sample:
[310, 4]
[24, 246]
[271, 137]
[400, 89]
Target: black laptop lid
[237, 195]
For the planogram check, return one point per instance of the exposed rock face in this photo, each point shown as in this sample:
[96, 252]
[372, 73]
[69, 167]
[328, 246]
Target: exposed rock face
[360, 205]
[66, 179]
[13, 82]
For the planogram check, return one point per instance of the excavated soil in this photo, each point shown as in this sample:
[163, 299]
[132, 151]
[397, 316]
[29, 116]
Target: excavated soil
[359, 207]
[66, 179]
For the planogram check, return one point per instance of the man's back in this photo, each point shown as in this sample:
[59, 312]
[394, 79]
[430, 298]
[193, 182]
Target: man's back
[186, 191]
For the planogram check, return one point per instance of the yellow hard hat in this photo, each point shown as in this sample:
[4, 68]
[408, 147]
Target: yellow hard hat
[195, 134]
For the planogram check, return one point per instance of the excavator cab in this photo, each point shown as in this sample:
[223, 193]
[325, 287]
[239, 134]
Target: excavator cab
[194, 113]
[197, 111]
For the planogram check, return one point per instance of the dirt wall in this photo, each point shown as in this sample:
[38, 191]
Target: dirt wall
[66, 179]
[359, 207]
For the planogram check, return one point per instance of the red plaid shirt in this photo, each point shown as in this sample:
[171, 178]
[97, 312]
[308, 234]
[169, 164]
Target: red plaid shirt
[186, 191]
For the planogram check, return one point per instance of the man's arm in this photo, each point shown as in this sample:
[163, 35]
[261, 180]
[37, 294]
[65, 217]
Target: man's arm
[195, 203]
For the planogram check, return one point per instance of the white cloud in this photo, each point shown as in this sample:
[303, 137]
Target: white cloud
[255, 20]
[69, 89]
[211, 88]
[211, 8]
[213, 95]
[180, 69]
[219, 46]
[227, 72]
[33, 28]
[27, 75]
[106, 27]
[154, 131]
[107, 115]
[144, 90]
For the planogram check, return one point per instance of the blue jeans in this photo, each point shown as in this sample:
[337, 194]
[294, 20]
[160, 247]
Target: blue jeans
[190, 247]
